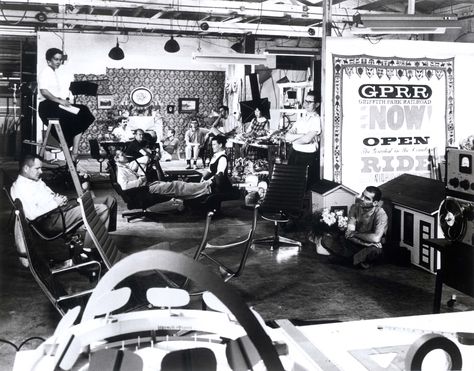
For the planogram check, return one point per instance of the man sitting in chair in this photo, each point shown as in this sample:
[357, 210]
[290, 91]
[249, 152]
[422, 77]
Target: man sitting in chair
[128, 178]
[366, 226]
[195, 138]
[44, 207]
[139, 149]
[169, 146]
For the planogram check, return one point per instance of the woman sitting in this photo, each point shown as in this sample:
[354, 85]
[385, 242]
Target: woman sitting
[53, 105]
[259, 127]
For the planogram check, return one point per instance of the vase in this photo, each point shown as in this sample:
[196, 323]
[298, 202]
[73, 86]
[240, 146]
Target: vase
[319, 248]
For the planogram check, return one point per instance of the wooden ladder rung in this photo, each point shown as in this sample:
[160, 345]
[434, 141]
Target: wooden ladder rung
[37, 144]
[67, 154]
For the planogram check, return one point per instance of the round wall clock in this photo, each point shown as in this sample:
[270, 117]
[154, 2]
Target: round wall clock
[141, 96]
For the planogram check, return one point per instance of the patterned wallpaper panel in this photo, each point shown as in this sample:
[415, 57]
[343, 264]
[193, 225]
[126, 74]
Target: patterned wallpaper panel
[167, 86]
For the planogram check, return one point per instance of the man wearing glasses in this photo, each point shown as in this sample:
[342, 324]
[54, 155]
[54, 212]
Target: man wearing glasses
[304, 137]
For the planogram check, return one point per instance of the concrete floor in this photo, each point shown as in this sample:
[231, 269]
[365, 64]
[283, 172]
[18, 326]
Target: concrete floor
[278, 284]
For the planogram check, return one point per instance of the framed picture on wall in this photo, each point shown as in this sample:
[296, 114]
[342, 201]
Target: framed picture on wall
[188, 105]
[105, 101]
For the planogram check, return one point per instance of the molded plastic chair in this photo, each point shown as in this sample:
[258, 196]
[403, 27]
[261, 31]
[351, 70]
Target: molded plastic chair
[284, 197]
[95, 152]
[46, 276]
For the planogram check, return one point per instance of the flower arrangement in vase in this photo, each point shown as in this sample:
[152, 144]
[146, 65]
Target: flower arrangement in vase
[325, 221]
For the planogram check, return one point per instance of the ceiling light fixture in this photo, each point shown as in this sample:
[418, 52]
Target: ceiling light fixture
[116, 53]
[248, 59]
[293, 50]
[404, 23]
[238, 47]
[172, 46]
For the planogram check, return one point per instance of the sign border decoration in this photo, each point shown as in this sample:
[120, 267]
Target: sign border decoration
[392, 67]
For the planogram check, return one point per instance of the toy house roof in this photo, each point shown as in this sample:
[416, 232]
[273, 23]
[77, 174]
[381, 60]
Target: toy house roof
[414, 192]
[325, 187]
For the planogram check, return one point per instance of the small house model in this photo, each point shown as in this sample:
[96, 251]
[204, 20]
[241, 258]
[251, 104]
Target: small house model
[334, 196]
[413, 203]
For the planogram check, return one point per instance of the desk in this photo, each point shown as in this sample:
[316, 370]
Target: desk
[456, 268]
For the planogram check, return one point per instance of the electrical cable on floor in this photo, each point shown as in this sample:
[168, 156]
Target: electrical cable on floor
[18, 348]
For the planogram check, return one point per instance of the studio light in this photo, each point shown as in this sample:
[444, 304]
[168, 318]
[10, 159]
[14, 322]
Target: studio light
[370, 24]
[41, 17]
[172, 46]
[116, 53]
[238, 46]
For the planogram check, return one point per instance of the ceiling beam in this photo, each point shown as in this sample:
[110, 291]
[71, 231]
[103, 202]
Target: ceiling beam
[212, 7]
[162, 24]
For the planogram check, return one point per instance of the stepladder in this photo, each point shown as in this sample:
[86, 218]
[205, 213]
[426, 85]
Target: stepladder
[67, 154]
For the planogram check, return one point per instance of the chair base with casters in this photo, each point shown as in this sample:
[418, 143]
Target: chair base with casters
[276, 240]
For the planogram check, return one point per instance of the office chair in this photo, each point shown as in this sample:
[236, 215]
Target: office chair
[137, 199]
[96, 154]
[284, 198]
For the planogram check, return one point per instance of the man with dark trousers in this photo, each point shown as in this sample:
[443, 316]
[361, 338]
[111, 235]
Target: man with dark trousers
[43, 206]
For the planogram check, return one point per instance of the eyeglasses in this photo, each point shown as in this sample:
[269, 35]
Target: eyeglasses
[309, 101]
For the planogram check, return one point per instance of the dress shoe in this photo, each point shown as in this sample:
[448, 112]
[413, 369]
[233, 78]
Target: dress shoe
[188, 167]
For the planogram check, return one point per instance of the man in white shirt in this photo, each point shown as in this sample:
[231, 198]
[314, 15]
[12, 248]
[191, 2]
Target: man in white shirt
[128, 178]
[44, 207]
[195, 138]
[122, 132]
[225, 124]
[304, 137]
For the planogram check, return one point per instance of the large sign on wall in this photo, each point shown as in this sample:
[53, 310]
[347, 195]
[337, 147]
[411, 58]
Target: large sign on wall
[391, 115]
